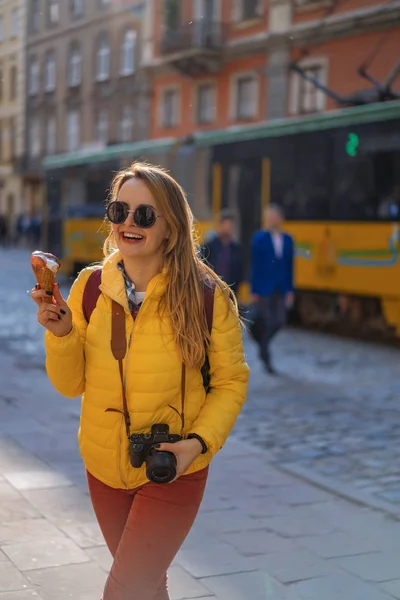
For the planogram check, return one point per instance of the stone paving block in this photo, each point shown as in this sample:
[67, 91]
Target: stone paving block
[3, 557]
[296, 565]
[299, 494]
[214, 502]
[21, 595]
[263, 506]
[182, 586]
[383, 566]
[26, 530]
[101, 556]
[10, 578]
[62, 506]
[36, 480]
[338, 587]
[86, 535]
[13, 506]
[255, 585]
[226, 521]
[250, 543]
[295, 525]
[15, 458]
[41, 554]
[392, 588]
[208, 559]
[336, 545]
[81, 581]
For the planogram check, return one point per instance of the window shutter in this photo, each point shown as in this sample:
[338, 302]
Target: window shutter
[259, 8]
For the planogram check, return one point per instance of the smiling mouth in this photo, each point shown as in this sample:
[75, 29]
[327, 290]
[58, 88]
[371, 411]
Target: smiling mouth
[132, 237]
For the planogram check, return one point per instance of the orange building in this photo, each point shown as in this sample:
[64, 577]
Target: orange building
[220, 63]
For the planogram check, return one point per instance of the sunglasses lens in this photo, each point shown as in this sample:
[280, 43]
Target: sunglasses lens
[145, 216]
[117, 212]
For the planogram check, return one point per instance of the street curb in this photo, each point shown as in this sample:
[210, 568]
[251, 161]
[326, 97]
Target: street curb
[345, 491]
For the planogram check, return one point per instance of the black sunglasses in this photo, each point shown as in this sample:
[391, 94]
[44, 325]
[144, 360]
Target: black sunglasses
[144, 216]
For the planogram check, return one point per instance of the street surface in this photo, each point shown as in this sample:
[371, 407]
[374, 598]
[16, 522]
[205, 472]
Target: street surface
[302, 503]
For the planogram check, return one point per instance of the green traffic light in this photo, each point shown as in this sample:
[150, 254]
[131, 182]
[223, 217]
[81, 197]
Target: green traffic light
[352, 144]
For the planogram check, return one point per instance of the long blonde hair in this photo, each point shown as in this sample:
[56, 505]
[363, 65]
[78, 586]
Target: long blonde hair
[183, 299]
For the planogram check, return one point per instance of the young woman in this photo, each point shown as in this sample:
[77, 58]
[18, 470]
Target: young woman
[152, 271]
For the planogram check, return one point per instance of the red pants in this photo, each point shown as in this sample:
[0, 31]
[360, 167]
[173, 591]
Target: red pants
[144, 529]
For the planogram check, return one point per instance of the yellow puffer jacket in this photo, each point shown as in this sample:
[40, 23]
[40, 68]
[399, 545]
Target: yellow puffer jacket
[82, 363]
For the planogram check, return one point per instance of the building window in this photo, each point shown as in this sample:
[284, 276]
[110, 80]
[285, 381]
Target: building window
[50, 72]
[103, 3]
[13, 139]
[171, 14]
[13, 82]
[128, 53]
[33, 82]
[35, 16]
[308, 92]
[14, 23]
[1, 29]
[246, 97]
[101, 134]
[206, 103]
[53, 14]
[1, 86]
[245, 10]
[34, 138]
[77, 8]
[125, 127]
[75, 66]
[103, 60]
[305, 97]
[73, 130]
[1, 141]
[170, 108]
[51, 136]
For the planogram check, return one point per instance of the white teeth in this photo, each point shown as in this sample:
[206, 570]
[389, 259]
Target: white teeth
[133, 236]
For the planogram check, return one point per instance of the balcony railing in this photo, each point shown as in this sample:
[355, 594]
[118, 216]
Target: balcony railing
[201, 35]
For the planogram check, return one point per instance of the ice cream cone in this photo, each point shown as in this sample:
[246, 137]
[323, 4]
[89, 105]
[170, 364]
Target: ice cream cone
[46, 279]
[45, 267]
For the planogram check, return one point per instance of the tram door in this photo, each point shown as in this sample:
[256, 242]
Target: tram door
[242, 193]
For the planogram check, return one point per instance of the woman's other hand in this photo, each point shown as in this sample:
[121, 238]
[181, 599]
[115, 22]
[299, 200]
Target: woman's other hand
[55, 317]
[186, 452]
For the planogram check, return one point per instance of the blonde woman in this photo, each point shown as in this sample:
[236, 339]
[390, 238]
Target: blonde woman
[151, 420]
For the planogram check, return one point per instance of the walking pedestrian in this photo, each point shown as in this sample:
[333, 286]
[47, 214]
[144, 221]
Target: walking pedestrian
[224, 254]
[272, 278]
[152, 277]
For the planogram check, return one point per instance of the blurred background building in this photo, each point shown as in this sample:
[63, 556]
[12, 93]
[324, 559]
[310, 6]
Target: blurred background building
[12, 112]
[82, 95]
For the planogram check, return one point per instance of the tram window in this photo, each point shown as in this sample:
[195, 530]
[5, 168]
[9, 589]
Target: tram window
[300, 177]
[368, 187]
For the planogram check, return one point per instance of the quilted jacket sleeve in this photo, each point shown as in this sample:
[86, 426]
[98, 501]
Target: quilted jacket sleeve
[65, 358]
[229, 376]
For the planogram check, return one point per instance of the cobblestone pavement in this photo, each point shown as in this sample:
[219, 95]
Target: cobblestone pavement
[262, 534]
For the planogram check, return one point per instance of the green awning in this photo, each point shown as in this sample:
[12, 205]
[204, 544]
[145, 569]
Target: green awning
[345, 117]
[132, 150]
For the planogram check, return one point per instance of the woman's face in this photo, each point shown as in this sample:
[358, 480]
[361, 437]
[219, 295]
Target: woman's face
[149, 242]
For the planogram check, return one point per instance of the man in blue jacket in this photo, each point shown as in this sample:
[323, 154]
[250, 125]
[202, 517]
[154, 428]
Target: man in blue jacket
[272, 277]
[224, 254]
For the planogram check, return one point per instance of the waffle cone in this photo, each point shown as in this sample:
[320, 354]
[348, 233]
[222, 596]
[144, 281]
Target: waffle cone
[46, 279]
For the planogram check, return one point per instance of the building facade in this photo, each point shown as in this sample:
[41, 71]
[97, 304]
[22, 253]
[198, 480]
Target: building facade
[84, 92]
[221, 63]
[12, 114]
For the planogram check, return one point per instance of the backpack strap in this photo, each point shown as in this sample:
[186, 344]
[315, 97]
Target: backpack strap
[91, 294]
[209, 305]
